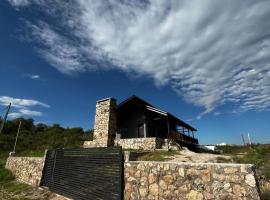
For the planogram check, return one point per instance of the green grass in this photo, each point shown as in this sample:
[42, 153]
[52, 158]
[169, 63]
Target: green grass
[233, 150]
[224, 160]
[5, 175]
[158, 155]
[31, 153]
[256, 154]
[265, 195]
[8, 186]
[15, 187]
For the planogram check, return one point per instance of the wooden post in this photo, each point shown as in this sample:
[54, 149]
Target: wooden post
[144, 130]
[5, 118]
[168, 127]
[18, 131]
[249, 140]
[243, 140]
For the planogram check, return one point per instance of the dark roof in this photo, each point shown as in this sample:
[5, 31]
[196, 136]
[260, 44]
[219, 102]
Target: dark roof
[155, 109]
[132, 98]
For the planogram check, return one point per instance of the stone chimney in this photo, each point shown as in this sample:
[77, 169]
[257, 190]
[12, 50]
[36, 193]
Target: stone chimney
[105, 122]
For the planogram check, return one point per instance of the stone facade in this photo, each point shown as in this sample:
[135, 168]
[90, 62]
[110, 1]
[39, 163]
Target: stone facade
[105, 124]
[105, 128]
[26, 169]
[190, 181]
[140, 143]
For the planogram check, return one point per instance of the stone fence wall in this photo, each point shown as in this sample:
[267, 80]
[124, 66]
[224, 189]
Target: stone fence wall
[165, 180]
[151, 143]
[191, 181]
[26, 169]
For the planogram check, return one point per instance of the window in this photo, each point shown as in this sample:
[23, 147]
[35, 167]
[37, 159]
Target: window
[141, 130]
[122, 132]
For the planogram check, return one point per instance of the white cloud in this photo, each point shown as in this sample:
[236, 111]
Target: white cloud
[19, 3]
[211, 52]
[25, 112]
[35, 77]
[21, 103]
[22, 107]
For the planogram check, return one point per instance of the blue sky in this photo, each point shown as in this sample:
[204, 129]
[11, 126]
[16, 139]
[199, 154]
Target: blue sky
[207, 64]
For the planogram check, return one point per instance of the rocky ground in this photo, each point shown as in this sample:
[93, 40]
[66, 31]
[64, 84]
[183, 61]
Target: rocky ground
[190, 156]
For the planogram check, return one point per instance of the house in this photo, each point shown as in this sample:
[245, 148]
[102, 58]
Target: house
[136, 124]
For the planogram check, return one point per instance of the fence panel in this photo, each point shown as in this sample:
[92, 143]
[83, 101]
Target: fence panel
[89, 173]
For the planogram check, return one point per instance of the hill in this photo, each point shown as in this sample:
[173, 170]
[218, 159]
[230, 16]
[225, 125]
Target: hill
[35, 138]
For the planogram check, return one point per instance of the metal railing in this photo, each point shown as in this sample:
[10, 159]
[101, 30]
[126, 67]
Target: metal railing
[175, 135]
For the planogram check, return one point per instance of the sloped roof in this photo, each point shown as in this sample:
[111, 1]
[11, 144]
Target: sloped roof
[154, 109]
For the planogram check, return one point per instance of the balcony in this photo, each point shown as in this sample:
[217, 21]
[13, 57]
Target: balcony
[182, 137]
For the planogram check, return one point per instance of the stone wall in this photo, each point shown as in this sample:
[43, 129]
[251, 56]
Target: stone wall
[165, 180]
[191, 181]
[140, 143]
[26, 169]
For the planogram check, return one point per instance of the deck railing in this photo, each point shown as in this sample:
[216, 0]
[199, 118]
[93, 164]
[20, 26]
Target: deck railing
[175, 135]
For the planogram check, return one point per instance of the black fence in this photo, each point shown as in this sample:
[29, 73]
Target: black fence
[91, 173]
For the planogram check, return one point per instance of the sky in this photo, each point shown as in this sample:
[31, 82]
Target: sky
[206, 62]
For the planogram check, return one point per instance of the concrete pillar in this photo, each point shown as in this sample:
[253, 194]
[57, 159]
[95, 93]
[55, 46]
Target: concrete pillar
[105, 122]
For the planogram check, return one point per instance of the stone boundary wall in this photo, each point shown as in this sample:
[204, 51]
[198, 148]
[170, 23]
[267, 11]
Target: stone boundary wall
[191, 181]
[165, 180]
[151, 143]
[26, 169]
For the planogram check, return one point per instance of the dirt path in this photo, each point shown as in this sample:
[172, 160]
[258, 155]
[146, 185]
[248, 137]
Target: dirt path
[190, 156]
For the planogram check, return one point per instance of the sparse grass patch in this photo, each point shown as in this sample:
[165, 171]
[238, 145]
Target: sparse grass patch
[31, 153]
[158, 155]
[12, 190]
[223, 160]
[259, 155]
[15, 187]
[233, 150]
[265, 195]
[256, 154]
[5, 175]
[7, 183]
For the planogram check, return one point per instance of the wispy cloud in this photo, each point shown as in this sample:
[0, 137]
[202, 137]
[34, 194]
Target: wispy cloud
[25, 112]
[35, 77]
[211, 52]
[22, 107]
[21, 103]
[19, 3]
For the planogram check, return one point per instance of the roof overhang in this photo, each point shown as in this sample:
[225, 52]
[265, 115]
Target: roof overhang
[151, 108]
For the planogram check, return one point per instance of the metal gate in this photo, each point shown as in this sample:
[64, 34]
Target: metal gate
[90, 173]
